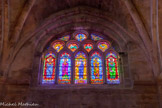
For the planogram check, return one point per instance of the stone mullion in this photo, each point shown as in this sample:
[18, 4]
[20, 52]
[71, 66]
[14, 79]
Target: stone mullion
[88, 70]
[72, 69]
[104, 69]
[57, 69]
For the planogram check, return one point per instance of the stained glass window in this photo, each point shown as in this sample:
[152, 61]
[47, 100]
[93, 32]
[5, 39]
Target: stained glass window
[96, 69]
[80, 68]
[81, 60]
[73, 47]
[65, 38]
[49, 67]
[103, 46]
[58, 46]
[65, 69]
[88, 47]
[80, 37]
[112, 68]
[95, 37]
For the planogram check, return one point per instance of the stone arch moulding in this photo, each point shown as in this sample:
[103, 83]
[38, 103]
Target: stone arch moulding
[50, 28]
[60, 16]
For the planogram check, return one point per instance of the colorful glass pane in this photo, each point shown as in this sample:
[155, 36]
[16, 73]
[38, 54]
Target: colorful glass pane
[96, 69]
[49, 68]
[80, 37]
[65, 69]
[112, 68]
[103, 46]
[80, 68]
[58, 46]
[73, 47]
[95, 37]
[65, 38]
[88, 47]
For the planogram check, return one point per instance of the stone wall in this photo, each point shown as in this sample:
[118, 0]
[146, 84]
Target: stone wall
[143, 95]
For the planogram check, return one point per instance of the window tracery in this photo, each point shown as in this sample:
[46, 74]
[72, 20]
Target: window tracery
[58, 45]
[80, 36]
[99, 66]
[95, 37]
[65, 38]
[73, 45]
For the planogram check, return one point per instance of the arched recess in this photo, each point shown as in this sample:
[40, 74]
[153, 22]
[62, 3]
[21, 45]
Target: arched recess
[50, 23]
[49, 29]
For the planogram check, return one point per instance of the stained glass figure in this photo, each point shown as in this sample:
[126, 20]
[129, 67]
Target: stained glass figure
[112, 68]
[65, 38]
[80, 68]
[58, 46]
[103, 46]
[73, 47]
[88, 47]
[65, 69]
[95, 37]
[49, 67]
[96, 69]
[80, 37]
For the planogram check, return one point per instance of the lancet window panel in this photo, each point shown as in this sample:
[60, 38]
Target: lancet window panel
[80, 68]
[112, 68]
[65, 69]
[96, 68]
[49, 68]
[80, 36]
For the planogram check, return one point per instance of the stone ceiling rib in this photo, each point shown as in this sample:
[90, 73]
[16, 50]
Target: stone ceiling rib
[138, 23]
[24, 14]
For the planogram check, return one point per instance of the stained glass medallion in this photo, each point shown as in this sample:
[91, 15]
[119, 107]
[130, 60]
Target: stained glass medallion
[103, 46]
[58, 45]
[112, 71]
[80, 37]
[73, 45]
[95, 37]
[65, 38]
[88, 47]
